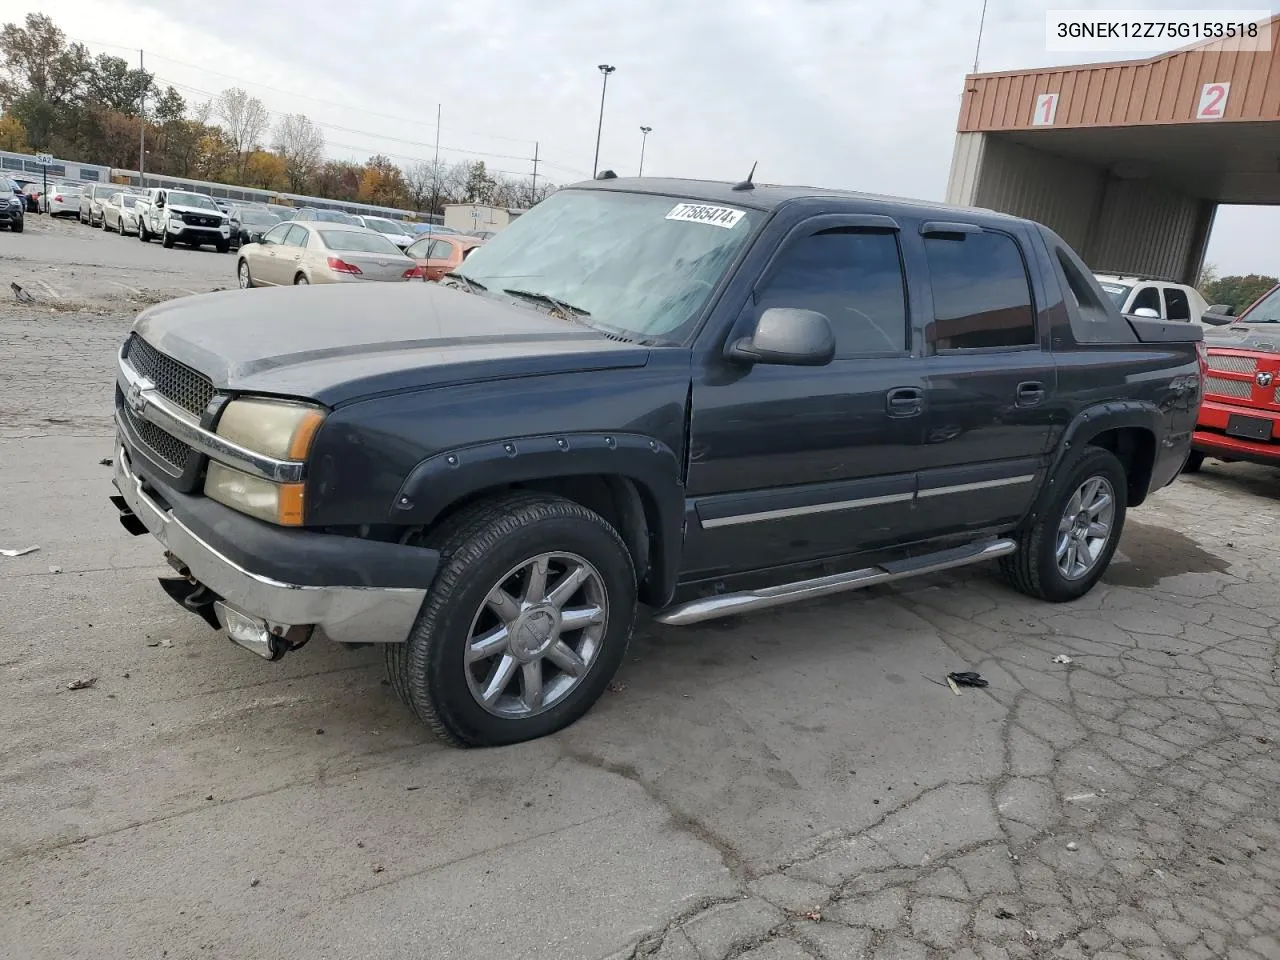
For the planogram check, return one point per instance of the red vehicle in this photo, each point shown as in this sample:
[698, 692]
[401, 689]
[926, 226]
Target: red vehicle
[439, 254]
[1240, 416]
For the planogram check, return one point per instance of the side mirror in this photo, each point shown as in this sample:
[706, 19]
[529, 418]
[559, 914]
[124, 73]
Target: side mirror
[1223, 309]
[788, 336]
[255, 236]
[1147, 312]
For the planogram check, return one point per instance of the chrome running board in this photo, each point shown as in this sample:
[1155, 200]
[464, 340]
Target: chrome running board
[729, 604]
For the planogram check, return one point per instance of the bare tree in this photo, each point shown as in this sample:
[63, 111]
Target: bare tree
[301, 143]
[244, 120]
[422, 180]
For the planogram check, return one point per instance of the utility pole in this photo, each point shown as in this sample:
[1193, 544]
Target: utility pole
[644, 136]
[142, 128]
[435, 171]
[533, 193]
[605, 69]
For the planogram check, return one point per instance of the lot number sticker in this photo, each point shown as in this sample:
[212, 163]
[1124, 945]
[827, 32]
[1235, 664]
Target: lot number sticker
[1213, 101]
[1046, 110]
[702, 213]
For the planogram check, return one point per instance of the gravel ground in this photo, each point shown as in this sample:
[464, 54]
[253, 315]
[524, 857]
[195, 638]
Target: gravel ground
[794, 784]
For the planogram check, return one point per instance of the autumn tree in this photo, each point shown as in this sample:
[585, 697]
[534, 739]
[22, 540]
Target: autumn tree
[42, 77]
[381, 183]
[113, 85]
[13, 135]
[265, 170]
[301, 144]
[244, 120]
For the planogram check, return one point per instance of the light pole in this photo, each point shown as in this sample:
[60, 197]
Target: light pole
[644, 136]
[605, 69]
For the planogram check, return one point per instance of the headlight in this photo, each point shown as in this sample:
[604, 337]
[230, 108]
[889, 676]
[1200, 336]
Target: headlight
[275, 428]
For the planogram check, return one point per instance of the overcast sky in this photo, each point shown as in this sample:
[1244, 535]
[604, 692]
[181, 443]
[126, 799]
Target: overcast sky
[861, 94]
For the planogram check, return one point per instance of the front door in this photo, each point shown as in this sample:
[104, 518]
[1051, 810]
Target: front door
[990, 379]
[796, 464]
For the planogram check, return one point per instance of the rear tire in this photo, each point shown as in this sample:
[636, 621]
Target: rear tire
[492, 550]
[1195, 460]
[1037, 567]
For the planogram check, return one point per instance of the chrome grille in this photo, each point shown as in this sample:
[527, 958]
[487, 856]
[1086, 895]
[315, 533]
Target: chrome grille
[175, 381]
[1228, 364]
[1222, 387]
[165, 446]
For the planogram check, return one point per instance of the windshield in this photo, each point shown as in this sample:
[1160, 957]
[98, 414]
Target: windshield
[1116, 291]
[335, 216]
[639, 265]
[190, 200]
[355, 241]
[386, 226]
[258, 217]
[1266, 310]
[284, 213]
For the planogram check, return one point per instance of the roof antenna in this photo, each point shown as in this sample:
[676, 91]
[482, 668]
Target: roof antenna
[747, 184]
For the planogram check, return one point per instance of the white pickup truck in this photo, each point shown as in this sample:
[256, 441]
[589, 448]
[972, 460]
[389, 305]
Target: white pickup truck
[1157, 299]
[179, 216]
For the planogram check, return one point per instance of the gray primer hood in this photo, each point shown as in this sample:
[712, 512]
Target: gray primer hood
[340, 342]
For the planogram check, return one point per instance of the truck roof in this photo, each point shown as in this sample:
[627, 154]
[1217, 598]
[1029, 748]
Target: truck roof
[767, 196]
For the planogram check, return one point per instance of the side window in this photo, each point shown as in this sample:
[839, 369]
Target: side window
[852, 276]
[1148, 297]
[276, 234]
[441, 250]
[981, 294]
[419, 250]
[1176, 304]
[297, 237]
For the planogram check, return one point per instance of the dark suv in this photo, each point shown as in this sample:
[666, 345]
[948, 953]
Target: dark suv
[707, 399]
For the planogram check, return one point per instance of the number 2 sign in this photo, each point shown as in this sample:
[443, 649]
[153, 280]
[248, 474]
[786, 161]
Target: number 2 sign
[1213, 101]
[1046, 110]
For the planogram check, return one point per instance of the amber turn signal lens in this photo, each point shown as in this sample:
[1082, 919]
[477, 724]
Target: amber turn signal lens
[290, 510]
[304, 433]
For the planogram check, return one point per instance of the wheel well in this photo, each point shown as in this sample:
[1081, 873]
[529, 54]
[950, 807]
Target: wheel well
[626, 505]
[1135, 448]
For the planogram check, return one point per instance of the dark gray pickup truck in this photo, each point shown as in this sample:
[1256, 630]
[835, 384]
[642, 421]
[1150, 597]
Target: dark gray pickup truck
[703, 398]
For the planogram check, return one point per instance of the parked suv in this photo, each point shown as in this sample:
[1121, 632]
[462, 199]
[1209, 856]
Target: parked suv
[707, 399]
[1240, 416]
[13, 206]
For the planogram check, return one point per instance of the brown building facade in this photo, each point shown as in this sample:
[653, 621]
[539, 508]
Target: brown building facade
[1128, 161]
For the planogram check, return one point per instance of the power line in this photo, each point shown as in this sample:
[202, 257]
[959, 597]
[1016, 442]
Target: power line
[381, 136]
[301, 96]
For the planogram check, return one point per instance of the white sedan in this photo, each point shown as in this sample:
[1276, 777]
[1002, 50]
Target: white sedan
[119, 213]
[62, 200]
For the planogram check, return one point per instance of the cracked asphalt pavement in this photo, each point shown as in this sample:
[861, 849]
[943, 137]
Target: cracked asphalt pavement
[794, 784]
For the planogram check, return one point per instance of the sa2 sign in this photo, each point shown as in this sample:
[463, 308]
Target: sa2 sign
[1213, 101]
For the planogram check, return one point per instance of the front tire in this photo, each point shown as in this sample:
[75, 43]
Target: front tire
[167, 240]
[1195, 460]
[1076, 529]
[525, 625]
[224, 246]
[244, 276]
[143, 235]
[17, 226]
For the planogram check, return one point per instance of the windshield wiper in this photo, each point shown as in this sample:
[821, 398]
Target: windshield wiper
[569, 311]
[471, 285]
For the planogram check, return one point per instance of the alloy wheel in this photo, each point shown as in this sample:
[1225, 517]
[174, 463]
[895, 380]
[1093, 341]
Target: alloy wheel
[1085, 527]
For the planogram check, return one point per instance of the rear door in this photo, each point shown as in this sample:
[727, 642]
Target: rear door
[989, 376]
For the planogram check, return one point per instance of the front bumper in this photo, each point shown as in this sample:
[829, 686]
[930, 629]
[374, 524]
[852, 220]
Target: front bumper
[186, 233]
[350, 612]
[1212, 440]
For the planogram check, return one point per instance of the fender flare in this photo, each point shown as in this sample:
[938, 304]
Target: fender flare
[652, 468]
[1101, 417]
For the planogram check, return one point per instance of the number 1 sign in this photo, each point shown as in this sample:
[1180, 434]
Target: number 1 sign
[1213, 101]
[1046, 110]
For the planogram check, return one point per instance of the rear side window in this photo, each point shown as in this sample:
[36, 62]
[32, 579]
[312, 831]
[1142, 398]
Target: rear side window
[853, 277]
[981, 293]
[297, 237]
[1176, 304]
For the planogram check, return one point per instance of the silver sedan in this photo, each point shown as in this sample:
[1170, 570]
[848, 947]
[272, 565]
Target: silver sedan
[119, 213]
[320, 252]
